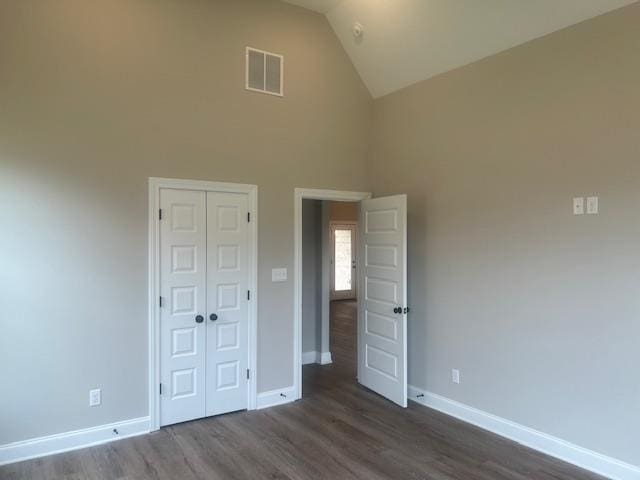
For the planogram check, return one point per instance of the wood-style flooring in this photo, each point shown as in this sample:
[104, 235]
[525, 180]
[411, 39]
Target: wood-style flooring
[339, 430]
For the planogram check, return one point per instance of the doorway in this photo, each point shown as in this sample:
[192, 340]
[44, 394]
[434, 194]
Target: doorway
[202, 299]
[343, 258]
[382, 307]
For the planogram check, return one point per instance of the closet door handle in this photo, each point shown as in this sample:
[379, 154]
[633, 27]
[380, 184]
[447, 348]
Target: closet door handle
[199, 319]
[213, 317]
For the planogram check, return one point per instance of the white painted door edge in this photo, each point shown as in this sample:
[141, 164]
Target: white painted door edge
[542, 442]
[298, 195]
[155, 184]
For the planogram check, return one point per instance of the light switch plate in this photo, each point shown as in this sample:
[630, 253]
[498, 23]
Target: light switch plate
[278, 274]
[592, 205]
[95, 397]
[578, 206]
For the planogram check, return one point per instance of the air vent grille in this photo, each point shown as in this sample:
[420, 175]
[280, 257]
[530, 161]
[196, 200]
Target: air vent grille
[264, 72]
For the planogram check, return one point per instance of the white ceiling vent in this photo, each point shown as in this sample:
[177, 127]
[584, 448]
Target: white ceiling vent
[264, 72]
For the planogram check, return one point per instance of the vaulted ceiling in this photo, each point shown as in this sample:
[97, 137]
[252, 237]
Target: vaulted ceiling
[406, 41]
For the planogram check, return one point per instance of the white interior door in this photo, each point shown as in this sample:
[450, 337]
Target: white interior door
[227, 300]
[343, 261]
[182, 305]
[382, 305]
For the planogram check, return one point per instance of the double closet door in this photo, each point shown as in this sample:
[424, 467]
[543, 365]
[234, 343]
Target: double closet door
[204, 285]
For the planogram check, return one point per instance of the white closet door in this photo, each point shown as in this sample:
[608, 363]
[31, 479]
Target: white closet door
[382, 315]
[228, 312]
[182, 289]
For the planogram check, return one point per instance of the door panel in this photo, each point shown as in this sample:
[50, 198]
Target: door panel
[382, 339]
[182, 288]
[227, 287]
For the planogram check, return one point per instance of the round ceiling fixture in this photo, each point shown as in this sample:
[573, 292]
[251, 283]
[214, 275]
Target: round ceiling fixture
[357, 30]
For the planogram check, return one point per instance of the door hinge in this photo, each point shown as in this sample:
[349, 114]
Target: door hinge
[248, 216]
[247, 374]
[160, 301]
[160, 214]
[248, 295]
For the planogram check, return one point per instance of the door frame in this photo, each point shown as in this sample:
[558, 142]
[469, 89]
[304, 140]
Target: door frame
[155, 185]
[333, 225]
[300, 194]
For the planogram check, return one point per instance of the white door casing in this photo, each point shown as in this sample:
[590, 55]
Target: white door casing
[382, 305]
[183, 299]
[228, 302]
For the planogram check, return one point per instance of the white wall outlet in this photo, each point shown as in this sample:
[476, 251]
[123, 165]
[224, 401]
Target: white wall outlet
[592, 205]
[95, 397]
[578, 206]
[455, 375]
[278, 274]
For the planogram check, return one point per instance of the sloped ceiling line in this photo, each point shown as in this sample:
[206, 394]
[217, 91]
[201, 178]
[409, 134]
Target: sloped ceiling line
[407, 41]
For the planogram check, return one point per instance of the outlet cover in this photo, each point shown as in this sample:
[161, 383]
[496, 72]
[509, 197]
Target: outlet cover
[455, 376]
[592, 205]
[578, 206]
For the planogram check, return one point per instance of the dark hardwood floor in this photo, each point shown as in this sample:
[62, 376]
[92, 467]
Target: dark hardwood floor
[339, 430]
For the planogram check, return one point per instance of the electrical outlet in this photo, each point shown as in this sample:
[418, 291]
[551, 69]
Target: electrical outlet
[592, 205]
[455, 375]
[578, 206]
[95, 397]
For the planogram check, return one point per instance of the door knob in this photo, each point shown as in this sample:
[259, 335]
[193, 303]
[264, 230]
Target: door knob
[213, 317]
[199, 319]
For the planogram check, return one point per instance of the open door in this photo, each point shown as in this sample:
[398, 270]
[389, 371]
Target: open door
[382, 303]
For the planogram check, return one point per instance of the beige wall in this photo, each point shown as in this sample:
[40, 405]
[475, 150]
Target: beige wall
[94, 98]
[311, 275]
[539, 309]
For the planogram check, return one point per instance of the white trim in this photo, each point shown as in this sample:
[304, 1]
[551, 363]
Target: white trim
[542, 442]
[246, 70]
[63, 442]
[325, 358]
[155, 184]
[279, 396]
[310, 357]
[298, 195]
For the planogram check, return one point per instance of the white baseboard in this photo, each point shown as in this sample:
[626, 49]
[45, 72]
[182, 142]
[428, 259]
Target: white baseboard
[553, 446]
[276, 397]
[63, 442]
[325, 358]
[310, 357]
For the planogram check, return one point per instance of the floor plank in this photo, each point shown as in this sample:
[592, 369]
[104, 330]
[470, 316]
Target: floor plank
[339, 430]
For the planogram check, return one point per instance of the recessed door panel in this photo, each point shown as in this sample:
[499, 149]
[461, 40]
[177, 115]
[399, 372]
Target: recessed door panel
[183, 342]
[183, 293]
[227, 286]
